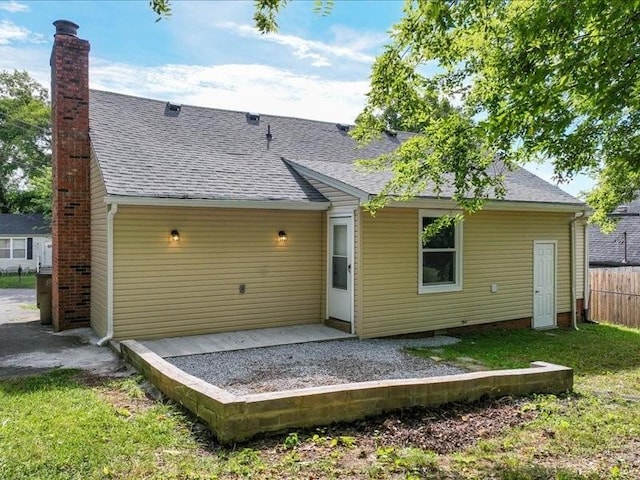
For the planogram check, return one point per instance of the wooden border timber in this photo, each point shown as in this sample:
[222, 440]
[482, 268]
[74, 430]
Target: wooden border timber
[239, 417]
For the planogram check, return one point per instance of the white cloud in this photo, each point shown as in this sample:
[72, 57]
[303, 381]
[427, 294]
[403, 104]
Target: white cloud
[358, 40]
[245, 87]
[11, 33]
[14, 7]
[33, 59]
[319, 52]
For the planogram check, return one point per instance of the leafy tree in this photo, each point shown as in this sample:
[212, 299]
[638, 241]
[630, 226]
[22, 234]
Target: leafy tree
[554, 80]
[35, 195]
[25, 139]
[265, 14]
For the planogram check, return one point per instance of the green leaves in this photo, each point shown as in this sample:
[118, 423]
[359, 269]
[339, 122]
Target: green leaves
[162, 8]
[25, 144]
[529, 80]
[266, 12]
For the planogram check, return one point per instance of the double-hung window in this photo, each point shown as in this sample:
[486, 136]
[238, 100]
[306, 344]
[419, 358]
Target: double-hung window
[15, 248]
[440, 262]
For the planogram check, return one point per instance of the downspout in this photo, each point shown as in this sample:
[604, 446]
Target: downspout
[587, 286]
[574, 321]
[112, 210]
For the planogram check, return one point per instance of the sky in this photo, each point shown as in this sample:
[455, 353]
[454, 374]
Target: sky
[208, 54]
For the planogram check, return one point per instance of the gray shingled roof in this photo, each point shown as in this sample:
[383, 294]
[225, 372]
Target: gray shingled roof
[24, 224]
[522, 185]
[609, 249]
[207, 153]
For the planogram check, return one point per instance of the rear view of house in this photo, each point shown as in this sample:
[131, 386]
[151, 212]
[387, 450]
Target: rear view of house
[25, 242]
[177, 220]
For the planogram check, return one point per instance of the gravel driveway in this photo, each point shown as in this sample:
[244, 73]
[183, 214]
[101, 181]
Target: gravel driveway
[14, 304]
[304, 365]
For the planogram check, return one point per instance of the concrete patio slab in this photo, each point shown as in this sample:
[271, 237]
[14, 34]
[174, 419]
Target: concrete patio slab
[240, 340]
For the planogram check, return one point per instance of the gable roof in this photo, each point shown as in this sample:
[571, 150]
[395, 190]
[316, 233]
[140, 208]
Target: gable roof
[13, 224]
[609, 249]
[146, 150]
[521, 185]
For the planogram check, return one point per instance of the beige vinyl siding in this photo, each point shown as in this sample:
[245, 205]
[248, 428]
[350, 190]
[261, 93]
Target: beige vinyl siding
[497, 248]
[98, 251]
[337, 197]
[164, 288]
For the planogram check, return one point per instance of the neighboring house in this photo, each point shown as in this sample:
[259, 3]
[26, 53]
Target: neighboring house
[178, 220]
[621, 248]
[25, 241]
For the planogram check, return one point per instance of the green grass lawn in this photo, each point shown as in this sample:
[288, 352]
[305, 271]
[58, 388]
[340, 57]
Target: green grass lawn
[65, 426]
[13, 281]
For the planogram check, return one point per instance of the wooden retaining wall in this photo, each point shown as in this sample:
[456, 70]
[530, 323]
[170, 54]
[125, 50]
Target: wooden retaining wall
[235, 418]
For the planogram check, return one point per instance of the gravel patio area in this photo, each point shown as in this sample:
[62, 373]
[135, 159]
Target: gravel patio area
[314, 364]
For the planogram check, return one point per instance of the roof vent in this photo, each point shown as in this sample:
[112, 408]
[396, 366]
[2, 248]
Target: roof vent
[172, 109]
[253, 118]
[269, 136]
[343, 128]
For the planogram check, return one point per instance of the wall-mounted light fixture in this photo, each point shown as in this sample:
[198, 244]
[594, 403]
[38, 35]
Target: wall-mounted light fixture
[175, 236]
[282, 236]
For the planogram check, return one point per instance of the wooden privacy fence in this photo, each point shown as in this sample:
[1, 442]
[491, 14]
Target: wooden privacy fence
[615, 295]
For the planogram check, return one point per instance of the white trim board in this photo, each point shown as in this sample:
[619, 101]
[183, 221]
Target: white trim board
[204, 203]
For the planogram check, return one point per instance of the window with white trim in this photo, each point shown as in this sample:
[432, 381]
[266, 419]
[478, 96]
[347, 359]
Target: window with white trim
[440, 262]
[15, 248]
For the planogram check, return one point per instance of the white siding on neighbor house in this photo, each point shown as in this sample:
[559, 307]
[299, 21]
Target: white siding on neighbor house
[497, 248]
[98, 251]
[41, 253]
[164, 288]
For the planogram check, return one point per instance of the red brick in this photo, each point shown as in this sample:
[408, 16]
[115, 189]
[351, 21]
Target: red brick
[71, 294]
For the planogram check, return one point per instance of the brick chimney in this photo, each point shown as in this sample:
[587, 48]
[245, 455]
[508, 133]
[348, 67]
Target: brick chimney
[71, 280]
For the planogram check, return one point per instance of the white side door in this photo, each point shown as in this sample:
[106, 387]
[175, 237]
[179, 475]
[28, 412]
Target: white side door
[47, 248]
[340, 272]
[544, 284]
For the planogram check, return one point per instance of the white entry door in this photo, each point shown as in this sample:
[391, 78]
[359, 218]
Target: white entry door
[47, 247]
[340, 268]
[544, 284]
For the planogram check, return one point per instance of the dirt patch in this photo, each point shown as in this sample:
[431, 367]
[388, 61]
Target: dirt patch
[447, 429]
[111, 390]
[454, 427]
[443, 430]
[624, 459]
[356, 450]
